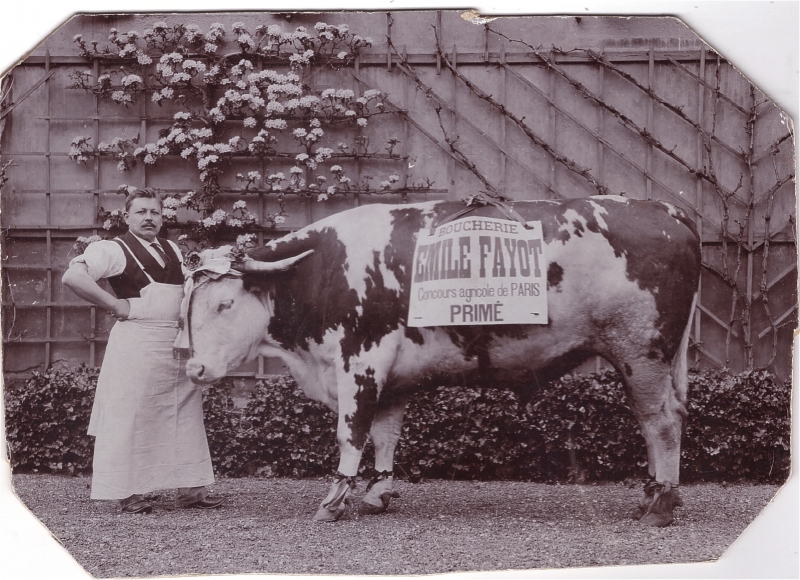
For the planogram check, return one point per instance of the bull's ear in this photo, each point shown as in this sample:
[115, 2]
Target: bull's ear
[252, 266]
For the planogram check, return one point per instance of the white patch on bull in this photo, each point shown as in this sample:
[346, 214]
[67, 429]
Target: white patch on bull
[572, 216]
[672, 210]
[364, 232]
[225, 339]
[598, 210]
[314, 369]
[437, 355]
[617, 198]
[597, 299]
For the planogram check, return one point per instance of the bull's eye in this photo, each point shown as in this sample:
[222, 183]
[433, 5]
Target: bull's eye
[224, 305]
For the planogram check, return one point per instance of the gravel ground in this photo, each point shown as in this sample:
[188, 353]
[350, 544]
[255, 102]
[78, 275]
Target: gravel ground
[434, 527]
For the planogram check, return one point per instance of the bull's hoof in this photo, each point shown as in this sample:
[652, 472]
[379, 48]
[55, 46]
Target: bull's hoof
[656, 507]
[370, 509]
[330, 515]
[367, 508]
[655, 520]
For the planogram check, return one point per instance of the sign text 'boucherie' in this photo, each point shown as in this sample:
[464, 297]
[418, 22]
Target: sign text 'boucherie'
[479, 271]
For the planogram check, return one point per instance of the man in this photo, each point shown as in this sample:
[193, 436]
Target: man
[147, 417]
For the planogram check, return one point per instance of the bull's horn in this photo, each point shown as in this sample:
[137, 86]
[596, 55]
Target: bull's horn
[256, 267]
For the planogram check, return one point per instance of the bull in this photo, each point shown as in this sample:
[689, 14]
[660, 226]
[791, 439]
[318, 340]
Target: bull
[331, 300]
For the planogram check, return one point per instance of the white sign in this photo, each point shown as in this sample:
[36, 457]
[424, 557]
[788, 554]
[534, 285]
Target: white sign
[479, 271]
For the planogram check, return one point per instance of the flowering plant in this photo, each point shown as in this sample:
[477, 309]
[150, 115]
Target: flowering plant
[83, 242]
[263, 92]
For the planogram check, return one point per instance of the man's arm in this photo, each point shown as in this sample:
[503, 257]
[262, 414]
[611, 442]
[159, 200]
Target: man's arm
[77, 279]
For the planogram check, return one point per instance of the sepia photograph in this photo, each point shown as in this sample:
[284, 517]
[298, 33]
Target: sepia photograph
[400, 291]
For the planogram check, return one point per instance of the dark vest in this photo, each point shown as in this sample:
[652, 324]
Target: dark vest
[133, 279]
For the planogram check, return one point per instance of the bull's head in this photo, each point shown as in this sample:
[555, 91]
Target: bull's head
[225, 322]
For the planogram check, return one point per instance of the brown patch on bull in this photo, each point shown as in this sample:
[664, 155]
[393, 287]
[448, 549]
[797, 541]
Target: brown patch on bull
[668, 271]
[555, 274]
[366, 400]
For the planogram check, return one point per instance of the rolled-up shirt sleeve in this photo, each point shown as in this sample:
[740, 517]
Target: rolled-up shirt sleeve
[103, 259]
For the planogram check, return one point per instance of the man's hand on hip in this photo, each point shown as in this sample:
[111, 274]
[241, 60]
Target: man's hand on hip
[121, 310]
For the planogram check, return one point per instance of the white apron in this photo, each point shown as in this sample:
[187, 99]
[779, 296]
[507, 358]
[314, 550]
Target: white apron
[147, 416]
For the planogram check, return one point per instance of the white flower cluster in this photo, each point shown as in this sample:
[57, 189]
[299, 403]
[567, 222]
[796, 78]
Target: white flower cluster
[390, 181]
[218, 217]
[344, 94]
[121, 97]
[193, 33]
[194, 66]
[114, 216]
[127, 50]
[279, 124]
[78, 149]
[86, 240]
[245, 240]
[165, 93]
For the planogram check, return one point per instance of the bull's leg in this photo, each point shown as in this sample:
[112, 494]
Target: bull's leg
[358, 393]
[385, 433]
[659, 407]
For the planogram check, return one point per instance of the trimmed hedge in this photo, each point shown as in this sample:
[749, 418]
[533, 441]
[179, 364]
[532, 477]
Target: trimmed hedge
[46, 421]
[578, 428]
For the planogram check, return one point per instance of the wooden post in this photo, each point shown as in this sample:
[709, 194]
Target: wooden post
[441, 36]
[503, 119]
[598, 362]
[388, 37]
[406, 151]
[649, 124]
[261, 209]
[551, 111]
[698, 197]
[357, 88]
[451, 163]
[48, 222]
[96, 209]
[750, 235]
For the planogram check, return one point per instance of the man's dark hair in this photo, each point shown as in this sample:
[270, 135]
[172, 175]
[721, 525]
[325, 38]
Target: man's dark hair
[145, 192]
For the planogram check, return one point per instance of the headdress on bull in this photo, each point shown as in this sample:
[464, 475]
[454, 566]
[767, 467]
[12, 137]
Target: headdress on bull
[213, 264]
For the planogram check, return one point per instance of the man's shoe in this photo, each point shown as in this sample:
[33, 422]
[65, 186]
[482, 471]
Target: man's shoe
[138, 507]
[207, 503]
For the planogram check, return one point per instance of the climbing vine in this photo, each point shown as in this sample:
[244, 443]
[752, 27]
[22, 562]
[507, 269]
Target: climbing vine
[255, 102]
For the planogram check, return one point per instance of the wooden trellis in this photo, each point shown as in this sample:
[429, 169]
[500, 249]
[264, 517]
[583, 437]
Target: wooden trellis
[475, 108]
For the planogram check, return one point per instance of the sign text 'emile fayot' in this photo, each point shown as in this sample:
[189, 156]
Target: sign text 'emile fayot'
[479, 271]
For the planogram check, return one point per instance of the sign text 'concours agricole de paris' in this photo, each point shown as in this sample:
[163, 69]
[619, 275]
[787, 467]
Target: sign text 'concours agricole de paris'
[479, 271]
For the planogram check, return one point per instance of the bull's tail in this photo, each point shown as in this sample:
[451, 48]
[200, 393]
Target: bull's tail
[680, 366]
